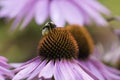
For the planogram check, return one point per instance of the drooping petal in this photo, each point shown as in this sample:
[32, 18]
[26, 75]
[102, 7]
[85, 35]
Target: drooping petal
[16, 10]
[95, 5]
[48, 71]
[57, 74]
[6, 71]
[92, 13]
[62, 11]
[32, 60]
[23, 13]
[115, 71]
[3, 59]
[15, 65]
[71, 13]
[56, 15]
[25, 72]
[41, 11]
[9, 7]
[65, 71]
[37, 70]
[4, 64]
[106, 73]
[27, 64]
[27, 19]
[95, 71]
[83, 74]
[2, 78]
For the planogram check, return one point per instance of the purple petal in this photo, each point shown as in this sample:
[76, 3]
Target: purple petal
[19, 6]
[23, 13]
[48, 71]
[26, 72]
[83, 74]
[58, 74]
[37, 70]
[32, 60]
[75, 72]
[110, 76]
[115, 71]
[9, 7]
[16, 22]
[65, 70]
[86, 69]
[41, 11]
[95, 71]
[71, 13]
[4, 64]
[3, 59]
[92, 13]
[106, 73]
[95, 5]
[6, 71]
[16, 65]
[1, 77]
[27, 19]
[56, 14]
[27, 64]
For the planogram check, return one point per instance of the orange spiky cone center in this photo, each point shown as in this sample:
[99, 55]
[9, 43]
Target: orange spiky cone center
[58, 44]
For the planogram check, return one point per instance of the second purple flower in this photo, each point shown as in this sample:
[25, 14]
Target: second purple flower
[59, 11]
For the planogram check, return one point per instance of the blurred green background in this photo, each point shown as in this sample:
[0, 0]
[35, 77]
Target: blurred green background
[21, 45]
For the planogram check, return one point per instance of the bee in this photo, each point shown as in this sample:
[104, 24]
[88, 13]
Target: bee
[48, 26]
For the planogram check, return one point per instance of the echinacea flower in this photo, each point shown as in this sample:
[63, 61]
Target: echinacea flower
[85, 46]
[56, 61]
[5, 73]
[59, 11]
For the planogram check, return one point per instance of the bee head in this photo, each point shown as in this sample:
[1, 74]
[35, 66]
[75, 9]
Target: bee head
[48, 26]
